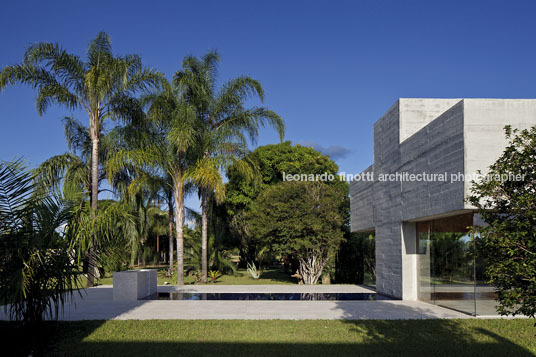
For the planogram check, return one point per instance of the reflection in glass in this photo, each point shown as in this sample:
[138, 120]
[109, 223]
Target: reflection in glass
[451, 273]
[425, 264]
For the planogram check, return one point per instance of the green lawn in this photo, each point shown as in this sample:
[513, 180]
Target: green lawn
[472, 337]
[242, 277]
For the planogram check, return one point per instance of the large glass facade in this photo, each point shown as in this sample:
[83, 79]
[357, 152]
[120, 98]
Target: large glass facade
[451, 272]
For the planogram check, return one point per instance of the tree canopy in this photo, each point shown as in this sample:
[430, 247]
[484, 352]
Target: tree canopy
[271, 161]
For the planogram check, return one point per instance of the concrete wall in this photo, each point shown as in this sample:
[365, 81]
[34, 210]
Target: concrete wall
[416, 113]
[362, 204]
[387, 204]
[484, 124]
[435, 149]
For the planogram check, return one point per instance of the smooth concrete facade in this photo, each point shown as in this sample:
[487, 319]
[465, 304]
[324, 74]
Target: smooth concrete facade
[433, 136]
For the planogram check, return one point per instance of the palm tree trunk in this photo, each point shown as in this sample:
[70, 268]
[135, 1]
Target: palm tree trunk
[94, 198]
[170, 218]
[204, 235]
[178, 193]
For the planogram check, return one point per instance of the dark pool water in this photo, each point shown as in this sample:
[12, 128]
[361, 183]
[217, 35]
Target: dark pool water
[269, 296]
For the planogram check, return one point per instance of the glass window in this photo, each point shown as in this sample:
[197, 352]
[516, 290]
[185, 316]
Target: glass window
[451, 273]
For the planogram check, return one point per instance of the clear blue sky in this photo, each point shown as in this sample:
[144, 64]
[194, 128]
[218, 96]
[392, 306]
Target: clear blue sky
[330, 69]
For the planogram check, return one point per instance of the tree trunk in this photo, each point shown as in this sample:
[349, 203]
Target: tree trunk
[204, 235]
[311, 268]
[178, 193]
[170, 219]
[94, 198]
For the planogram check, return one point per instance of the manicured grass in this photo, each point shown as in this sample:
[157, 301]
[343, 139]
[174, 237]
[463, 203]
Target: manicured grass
[472, 337]
[242, 277]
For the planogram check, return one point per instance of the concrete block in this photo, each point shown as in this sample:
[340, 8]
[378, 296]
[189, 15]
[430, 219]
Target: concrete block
[134, 284]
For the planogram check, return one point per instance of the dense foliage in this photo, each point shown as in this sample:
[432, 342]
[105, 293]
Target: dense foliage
[271, 161]
[509, 209]
[300, 219]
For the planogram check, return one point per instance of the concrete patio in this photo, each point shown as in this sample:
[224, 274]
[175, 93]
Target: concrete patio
[97, 304]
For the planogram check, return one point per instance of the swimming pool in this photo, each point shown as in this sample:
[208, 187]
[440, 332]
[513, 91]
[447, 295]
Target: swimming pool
[268, 296]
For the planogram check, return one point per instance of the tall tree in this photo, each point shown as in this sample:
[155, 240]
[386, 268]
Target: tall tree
[225, 125]
[103, 86]
[164, 145]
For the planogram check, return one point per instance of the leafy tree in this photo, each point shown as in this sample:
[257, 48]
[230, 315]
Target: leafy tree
[37, 271]
[509, 209]
[225, 125]
[270, 162]
[103, 86]
[300, 219]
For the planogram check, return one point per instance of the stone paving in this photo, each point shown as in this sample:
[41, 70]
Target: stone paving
[97, 304]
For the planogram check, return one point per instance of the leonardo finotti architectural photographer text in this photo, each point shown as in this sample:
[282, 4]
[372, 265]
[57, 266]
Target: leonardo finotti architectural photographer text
[403, 177]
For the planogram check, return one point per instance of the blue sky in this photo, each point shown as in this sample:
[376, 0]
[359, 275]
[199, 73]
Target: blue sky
[329, 68]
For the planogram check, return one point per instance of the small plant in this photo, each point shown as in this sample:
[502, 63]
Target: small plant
[197, 277]
[253, 271]
[214, 275]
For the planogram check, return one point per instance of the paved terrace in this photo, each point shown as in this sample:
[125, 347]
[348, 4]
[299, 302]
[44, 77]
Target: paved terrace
[97, 304]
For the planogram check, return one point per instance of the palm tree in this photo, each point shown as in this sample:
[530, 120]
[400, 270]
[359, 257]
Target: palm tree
[128, 157]
[71, 173]
[103, 86]
[164, 145]
[217, 256]
[37, 272]
[73, 168]
[225, 126]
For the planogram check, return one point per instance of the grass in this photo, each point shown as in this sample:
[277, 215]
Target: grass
[470, 337]
[242, 277]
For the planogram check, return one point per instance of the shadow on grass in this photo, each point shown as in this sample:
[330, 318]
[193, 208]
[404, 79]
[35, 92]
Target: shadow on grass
[351, 336]
[329, 338]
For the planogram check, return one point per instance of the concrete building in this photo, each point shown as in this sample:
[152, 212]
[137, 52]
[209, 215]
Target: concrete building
[434, 136]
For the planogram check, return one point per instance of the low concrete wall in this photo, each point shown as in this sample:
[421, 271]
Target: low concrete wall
[134, 284]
